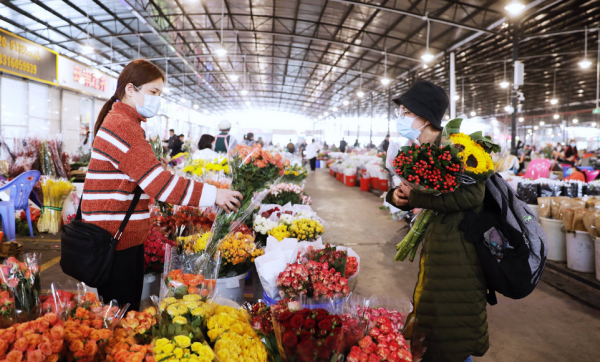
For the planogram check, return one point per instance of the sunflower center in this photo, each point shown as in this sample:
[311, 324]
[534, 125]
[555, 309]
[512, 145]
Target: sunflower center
[472, 161]
[459, 147]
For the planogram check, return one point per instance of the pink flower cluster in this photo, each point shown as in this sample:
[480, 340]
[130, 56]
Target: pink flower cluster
[293, 281]
[326, 282]
[275, 190]
[373, 315]
[382, 344]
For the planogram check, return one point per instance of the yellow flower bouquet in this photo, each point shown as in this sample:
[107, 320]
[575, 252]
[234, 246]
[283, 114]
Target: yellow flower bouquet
[306, 229]
[193, 244]
[238, 252]
[181, 348]
[234, 338]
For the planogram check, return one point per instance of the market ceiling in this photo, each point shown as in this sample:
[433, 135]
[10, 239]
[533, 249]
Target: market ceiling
[312, 57]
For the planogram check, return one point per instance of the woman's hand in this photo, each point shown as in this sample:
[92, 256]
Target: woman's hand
[227, 200]
[164, 162]
[405, 190]
[399, 199]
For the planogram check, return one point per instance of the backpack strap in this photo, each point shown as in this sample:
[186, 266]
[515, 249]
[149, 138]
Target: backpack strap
[491, 297]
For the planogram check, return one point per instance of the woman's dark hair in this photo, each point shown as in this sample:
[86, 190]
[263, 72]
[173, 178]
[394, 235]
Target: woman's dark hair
[205, 142]
[138, 73]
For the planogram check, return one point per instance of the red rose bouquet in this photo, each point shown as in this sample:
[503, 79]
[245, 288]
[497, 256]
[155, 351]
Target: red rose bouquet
[382, 344]
[351, 266]
[312, 279]
[309, 335]
[154, 251]
[293, 281]
[335, 258]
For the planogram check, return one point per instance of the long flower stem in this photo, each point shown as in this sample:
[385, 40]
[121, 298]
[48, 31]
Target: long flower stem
[414, 236]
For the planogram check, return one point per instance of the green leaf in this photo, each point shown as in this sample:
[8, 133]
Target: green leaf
[476, 136]
[453, 126]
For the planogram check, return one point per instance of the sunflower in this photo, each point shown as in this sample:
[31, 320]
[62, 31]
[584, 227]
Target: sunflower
[476, 160]
[474, 157]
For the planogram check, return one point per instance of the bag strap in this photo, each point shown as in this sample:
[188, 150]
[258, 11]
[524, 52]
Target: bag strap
[136, 197]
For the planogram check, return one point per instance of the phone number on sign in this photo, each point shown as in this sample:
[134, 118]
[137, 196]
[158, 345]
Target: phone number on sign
[18, 64]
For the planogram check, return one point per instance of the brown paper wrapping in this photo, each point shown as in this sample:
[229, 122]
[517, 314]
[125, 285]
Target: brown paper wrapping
[567, 218]
[589, 221]
[570, 204]
[555, 203]
[545, 207]
[578, 220]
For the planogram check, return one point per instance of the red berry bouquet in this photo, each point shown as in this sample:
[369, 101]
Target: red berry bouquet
[428, 168]
[309, 335]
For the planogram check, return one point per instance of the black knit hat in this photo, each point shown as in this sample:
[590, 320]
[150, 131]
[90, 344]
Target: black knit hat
[426, 100]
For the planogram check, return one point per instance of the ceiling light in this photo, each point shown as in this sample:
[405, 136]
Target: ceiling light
[326, 113]
[555, 116]
[360, 94]
[514, 8]
[504, 84]
[196, 106]
[535, 127]
[585, 64]
[166, 90]
[553, 101]
[221, 51]
[248, 103]
[87, 49]
[346, 103]
[244, 92]
[335, 109]
[521, 119]
[456, 97]
[425, 66]
[575, 120]
[385, 81]
[509, 108]
[427, 57]
[234, 77]
[473, 113]
[447, 117]
[183, 100]
[542, 123]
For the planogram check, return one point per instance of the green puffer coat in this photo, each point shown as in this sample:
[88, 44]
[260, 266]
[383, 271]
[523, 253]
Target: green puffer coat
[450, 296]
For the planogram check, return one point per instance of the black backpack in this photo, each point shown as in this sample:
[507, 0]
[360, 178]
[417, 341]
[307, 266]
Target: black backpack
[510, 242]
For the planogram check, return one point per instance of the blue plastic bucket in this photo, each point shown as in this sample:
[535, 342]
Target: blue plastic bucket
[270, 301]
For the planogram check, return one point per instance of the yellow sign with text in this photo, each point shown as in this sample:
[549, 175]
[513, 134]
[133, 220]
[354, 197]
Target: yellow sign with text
[27, 59]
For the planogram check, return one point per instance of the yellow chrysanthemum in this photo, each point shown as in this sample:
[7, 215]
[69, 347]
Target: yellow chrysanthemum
[180, 320]
[183, 341]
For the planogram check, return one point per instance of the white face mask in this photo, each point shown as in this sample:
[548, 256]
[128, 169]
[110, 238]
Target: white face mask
[150, 107]
[573, 145]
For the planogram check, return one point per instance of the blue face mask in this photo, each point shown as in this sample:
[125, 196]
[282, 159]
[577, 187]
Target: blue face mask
[404, 127]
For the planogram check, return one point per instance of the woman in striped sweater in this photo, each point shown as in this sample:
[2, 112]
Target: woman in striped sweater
[121, 160]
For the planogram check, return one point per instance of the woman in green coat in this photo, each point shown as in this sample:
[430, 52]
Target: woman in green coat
[450, 296]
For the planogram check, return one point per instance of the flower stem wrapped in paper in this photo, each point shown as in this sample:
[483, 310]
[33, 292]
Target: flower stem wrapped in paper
[453, 159]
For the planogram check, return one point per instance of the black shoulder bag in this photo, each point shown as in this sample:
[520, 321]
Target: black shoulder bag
[87, 250]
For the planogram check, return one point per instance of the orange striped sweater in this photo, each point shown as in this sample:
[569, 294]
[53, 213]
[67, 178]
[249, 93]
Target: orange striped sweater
[122, 159]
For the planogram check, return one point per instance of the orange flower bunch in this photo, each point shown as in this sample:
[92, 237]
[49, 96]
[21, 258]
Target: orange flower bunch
[122, 347]
[82, 339]
[261, 158]
[192, 283]
[40, 340]
[139, 322]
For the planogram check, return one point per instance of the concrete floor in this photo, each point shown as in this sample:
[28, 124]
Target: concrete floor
[548, 325]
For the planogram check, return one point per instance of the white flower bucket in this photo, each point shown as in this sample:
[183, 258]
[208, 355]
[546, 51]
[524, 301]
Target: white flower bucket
[556, 238]
[597, 252]
[232, 288]
[580, 252]
[151, 286]
[535, 209]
